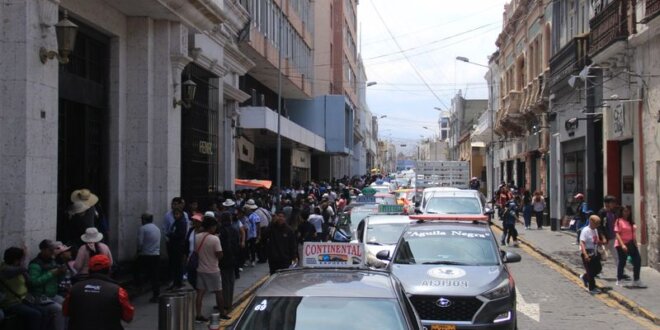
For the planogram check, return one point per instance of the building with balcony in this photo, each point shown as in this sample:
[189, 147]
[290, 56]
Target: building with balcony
[623, 42]
[118, 117]
[520, 122]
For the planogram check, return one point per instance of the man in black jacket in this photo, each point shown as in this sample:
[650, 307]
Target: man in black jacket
[281, 243]
[97, 302]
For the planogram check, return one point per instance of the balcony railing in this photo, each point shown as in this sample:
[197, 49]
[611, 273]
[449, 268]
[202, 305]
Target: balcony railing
[609, 26]
[570, 59]
[512, 102]
[652, 10]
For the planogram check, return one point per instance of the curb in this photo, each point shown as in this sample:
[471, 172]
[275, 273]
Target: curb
[249, 291]
[621, 299]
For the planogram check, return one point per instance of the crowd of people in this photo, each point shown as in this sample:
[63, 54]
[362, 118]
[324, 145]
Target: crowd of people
[208, 244]
[608, 233]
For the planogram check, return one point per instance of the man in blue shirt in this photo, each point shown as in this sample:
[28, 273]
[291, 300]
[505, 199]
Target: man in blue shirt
[149, 254]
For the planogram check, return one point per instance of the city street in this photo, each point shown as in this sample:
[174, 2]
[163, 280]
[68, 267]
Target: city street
[551, 298]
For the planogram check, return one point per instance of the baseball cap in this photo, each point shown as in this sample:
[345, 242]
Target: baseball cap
[99, 262]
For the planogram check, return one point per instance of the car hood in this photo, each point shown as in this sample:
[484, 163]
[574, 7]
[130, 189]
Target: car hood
[448, 279]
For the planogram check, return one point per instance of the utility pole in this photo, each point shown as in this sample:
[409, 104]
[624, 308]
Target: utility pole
[279, 114]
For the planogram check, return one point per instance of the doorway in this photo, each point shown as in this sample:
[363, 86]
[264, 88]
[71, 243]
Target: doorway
[83, 123]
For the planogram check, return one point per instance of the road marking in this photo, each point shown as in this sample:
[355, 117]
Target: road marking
[530, 309]
[643, 322]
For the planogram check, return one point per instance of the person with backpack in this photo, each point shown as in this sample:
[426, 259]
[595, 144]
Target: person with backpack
[509, 223]
[92, 246]
[582, 215]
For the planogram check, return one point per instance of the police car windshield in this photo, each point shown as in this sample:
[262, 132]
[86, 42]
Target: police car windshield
[453, 205]
[312, 313]
[450, 247]
[384, 233]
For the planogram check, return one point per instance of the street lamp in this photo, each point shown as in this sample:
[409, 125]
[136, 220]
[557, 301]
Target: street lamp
[66, 32]
[492, 118]
[467, 60]
[383, 116]
[371, 83]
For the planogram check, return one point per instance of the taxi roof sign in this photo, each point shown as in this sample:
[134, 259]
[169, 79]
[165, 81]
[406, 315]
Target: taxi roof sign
[384, 208]
[450, 217]
[333, 255]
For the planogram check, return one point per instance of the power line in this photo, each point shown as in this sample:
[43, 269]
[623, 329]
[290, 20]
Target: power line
[404, 54]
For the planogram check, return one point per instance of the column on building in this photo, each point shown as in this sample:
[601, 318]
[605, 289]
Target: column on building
[28, 124]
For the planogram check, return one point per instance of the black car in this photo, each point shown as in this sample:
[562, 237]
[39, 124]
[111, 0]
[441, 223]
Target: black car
[454, 273]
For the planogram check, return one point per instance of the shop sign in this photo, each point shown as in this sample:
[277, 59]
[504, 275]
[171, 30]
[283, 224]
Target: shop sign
[245, 150]
[618, 121]
[299, 158]
[205, 148]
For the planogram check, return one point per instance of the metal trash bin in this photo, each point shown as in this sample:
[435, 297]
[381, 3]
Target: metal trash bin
[171, 311]
[189, 308]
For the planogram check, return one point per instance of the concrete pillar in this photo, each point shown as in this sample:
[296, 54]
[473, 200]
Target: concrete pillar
[28, 124]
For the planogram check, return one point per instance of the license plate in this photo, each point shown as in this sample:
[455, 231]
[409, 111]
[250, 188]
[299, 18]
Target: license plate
[443, 327]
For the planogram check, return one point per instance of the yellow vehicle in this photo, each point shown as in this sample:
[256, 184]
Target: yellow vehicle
[404, 196]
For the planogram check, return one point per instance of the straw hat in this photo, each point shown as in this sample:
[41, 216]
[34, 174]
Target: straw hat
[91, 235]
[78, 207]
[85, 196]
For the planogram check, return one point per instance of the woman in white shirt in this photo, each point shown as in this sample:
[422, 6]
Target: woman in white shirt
[538, 205]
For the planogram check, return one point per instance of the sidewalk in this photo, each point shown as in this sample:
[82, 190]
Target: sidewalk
[146, 314]
[560, 247]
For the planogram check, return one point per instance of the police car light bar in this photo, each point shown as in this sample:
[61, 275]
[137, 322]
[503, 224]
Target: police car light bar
[450, 217]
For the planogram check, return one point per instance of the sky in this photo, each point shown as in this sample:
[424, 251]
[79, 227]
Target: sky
[400, 41]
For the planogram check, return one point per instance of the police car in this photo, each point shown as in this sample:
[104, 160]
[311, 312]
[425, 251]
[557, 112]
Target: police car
[333, 290]
[454, 273]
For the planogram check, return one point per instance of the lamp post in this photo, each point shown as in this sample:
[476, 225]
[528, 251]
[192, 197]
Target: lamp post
[279, 113]
[491, 152]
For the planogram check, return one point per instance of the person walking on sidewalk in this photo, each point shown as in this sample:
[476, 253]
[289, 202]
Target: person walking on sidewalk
[149, 254]
[209, 253]
[254, 231]
[281, 243]
[509, 224]
[608, 215]
[589, 241]
[527, 209]
[626, 245]
[538, 205]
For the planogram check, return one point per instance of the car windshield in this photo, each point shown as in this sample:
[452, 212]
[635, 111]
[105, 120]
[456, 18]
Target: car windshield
[358, 214]
[448, 247]
[284, 313]
[453, 205]
[384, 233]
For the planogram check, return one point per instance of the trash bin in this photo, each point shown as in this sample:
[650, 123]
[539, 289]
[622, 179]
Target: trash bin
[171, 311]
[189, 308]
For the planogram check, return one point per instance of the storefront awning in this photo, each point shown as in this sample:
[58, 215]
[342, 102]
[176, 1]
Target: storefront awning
[252, 184]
